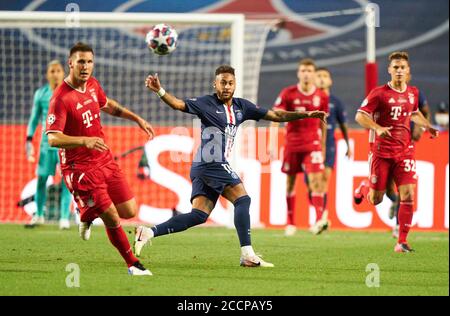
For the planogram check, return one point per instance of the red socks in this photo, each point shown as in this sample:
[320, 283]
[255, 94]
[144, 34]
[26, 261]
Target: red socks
[405, 216]
[119, 239]
[291, 209]
[317, 200]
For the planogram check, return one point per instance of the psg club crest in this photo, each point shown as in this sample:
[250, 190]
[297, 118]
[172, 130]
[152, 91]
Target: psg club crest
[239, 116]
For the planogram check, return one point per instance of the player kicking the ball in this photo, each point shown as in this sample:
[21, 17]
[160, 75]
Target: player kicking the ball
[211, 174]
[89, 171]
[387, 112]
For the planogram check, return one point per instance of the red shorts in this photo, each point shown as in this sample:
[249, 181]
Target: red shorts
[95, 190]
[296, 162]
[402, 170]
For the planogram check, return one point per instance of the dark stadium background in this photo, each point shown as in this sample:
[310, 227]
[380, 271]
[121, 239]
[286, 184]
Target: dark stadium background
[400, 20]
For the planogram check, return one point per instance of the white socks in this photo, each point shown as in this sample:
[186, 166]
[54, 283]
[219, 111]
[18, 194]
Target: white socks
[247, 251]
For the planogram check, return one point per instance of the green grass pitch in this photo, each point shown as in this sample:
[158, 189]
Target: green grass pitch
[205, 261]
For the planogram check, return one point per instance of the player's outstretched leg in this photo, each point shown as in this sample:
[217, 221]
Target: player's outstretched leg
[242, 223]
[176, 224]
[405, 216]
[119, 239]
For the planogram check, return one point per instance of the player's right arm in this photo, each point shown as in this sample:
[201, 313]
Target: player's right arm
[36, 113]
[365, 112]
[60, 140]
[153, 84]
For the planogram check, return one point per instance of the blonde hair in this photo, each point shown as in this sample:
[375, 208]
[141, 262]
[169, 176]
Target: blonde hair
[399, 55]
[54, 62]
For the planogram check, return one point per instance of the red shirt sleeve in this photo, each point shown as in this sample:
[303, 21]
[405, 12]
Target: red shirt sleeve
[101, 95]
[281, 101]
[370, 104]
[57, 114]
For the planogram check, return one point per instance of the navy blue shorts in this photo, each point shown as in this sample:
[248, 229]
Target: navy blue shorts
[330, 157]
[211, 179]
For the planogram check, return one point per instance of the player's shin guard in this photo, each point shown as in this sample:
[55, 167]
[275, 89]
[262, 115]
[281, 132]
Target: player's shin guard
[290, 199]
[119, 239]
[242, 219]
[318, 203]
[405, 216]
[180, 223]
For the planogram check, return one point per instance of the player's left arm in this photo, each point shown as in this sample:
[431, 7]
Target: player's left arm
[424, 108]
[33, 122]
[418, 118]
[281, 116]
[114, 108]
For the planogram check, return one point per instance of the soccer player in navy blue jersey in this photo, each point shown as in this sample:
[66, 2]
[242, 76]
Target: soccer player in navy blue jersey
[211, 174]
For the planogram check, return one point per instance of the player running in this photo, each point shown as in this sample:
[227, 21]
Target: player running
[48, 157]
[211, 174]
[305, 144]
[387, 112]
[416, 134]
[95, 180]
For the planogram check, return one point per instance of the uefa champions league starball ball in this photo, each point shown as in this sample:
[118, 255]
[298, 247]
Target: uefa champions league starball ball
[162, 39]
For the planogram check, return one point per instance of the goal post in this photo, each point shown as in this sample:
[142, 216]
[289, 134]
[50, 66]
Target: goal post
[29, 40]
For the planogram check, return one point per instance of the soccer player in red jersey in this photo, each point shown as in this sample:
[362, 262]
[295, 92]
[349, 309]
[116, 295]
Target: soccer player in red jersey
[89, 171]
[305, 143]
[387, 112]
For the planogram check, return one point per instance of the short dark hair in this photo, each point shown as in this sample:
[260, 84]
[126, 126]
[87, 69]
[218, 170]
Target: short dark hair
[225, 69]
[399, 55]
[323, 69]
[80, 47]
[307, 62]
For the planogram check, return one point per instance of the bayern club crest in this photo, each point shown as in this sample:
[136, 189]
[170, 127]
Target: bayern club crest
[316, 101]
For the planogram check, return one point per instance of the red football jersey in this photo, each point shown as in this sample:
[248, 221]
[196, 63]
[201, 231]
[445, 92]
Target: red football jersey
[390, 107]
[77, 113]
[303, 135]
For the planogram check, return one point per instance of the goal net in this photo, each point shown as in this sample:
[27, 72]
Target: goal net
[158, 171]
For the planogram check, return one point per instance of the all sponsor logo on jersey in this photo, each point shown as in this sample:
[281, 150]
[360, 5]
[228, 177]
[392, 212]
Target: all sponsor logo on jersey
[87, 118]
[396, 111]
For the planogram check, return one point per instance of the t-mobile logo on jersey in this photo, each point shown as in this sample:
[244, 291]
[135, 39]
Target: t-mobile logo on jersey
[396, 111]
[87, 118]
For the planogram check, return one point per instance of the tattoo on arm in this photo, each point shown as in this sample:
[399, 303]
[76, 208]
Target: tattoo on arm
[117, 110]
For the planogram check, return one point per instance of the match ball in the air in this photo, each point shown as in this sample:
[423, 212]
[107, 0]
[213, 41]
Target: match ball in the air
[162, 39]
